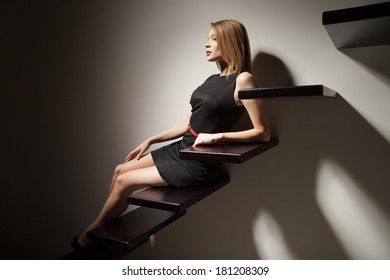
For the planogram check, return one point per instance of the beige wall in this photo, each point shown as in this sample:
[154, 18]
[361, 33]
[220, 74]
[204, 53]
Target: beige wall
[95, 80]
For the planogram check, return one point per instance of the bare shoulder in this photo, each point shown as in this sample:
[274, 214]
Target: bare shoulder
[245, 80]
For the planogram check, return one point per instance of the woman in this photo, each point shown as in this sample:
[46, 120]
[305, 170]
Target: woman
[215, 108]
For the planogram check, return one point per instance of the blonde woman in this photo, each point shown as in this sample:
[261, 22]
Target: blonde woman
[215, 108]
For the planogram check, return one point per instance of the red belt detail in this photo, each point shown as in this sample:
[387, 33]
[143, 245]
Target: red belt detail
[192, 131]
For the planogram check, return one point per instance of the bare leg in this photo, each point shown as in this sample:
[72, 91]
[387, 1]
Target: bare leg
[146, 161]
[124, 184]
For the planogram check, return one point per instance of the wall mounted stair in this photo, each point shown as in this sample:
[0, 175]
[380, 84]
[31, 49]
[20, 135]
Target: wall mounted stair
[231, 153]
[316, 91]
[359, 26]
[173, 199]
[135, 227]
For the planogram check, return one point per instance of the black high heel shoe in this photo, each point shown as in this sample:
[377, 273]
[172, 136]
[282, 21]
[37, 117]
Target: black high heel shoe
[74, 242]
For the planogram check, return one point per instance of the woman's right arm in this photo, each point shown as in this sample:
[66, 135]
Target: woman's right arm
[172, 133]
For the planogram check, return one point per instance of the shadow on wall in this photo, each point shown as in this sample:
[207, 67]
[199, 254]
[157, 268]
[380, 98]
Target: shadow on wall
[270, 71]
[372, 58]
[332, 193]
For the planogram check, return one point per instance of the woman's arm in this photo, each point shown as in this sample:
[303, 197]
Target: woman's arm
[261, 130]
[172, 133]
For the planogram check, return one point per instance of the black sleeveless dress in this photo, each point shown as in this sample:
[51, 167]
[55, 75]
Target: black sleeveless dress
[213, 110]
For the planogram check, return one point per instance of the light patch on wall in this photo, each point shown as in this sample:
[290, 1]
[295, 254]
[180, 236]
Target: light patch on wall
[269, 238]
[362, 229]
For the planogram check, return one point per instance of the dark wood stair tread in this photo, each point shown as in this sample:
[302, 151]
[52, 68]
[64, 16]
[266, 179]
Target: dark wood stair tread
[173, 199]
[232, 153]
[291, 91]
[134, 228]
[362, 26]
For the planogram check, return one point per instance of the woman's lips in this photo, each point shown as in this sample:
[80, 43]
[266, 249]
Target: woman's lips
[208, 53]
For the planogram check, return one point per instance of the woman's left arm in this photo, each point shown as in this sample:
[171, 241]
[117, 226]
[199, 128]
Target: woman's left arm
[260, 132]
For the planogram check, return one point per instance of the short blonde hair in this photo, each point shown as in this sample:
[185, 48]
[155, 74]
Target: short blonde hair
[233, 42]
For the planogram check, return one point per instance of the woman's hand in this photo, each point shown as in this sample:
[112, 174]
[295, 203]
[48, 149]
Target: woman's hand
[207, 138]
[138, 152]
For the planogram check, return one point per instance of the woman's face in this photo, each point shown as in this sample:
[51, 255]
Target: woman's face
[212, 51]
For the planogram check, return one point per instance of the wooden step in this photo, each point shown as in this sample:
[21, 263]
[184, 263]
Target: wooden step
[363, 26]
[173, 199]
[291, 91]
[134, 228]
[232, 153]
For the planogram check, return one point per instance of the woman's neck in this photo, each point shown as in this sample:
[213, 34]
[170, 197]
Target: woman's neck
[223, 68]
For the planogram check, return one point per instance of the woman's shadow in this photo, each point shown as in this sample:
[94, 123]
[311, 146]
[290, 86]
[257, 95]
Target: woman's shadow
[270, 71]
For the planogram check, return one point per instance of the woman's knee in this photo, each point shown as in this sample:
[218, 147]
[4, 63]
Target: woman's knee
[118, 170]
[127, 183]
[122, 185]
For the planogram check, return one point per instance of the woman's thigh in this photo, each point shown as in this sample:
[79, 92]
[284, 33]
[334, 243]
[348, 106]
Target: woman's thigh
[148, 176]
[144, 162]
[139, 178]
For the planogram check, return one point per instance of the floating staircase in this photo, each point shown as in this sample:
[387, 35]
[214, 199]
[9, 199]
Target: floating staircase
[160, 206]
